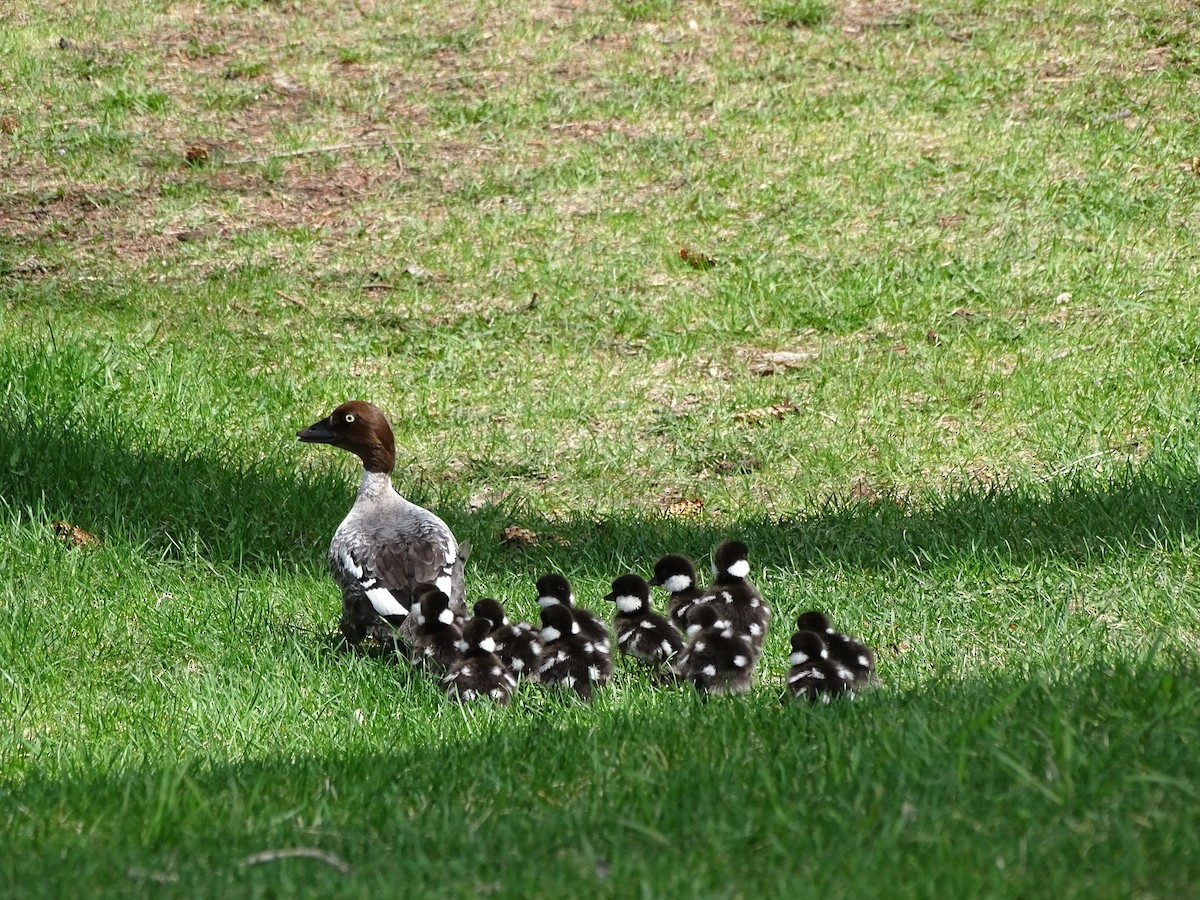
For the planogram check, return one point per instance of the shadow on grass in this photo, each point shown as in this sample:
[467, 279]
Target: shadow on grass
[1020, 784]
[234, 513]
[70, 450]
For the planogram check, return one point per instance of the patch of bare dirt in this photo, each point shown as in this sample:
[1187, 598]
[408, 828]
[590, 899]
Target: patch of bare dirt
[859, 16]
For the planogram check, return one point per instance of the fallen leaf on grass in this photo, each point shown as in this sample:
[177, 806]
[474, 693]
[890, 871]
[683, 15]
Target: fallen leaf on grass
[696, 259]
[8, 124]
[196, 155]
[684, 508]
[73, 535]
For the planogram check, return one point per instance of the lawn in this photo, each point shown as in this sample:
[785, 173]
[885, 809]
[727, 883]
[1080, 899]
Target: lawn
[901, 294]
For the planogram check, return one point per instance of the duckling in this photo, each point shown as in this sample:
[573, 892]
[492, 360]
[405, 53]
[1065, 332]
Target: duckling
[437, 637]
[479, 673]
[844, 650]
[716, 659]
[813, 674]
[676, 575]
[518, 645]
[555, 589]
[736, 597]
[641, 632]
[568, 655]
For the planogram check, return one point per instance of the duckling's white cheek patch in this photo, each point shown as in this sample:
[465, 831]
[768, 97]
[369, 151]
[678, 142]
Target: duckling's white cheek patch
[446, 616]
[628, 604]
[547, 601]
[677, 583]
[740, 569]
[550, 633]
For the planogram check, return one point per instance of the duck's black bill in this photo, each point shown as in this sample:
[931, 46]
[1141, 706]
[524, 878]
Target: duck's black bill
[316, 433]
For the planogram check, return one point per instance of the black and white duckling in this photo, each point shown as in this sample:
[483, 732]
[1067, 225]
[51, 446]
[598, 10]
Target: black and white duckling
[676, 575]
[716, 659]
[555, 589]
[437, 636]
[641, 632]
[568, 655]
[735, 596]
[844, 650]
[519, 644]
[478, 673]
[813, 674]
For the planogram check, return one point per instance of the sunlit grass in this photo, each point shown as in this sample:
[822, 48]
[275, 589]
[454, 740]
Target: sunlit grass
[940, 377]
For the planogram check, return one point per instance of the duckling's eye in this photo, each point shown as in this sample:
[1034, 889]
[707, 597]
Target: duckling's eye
[348, 418]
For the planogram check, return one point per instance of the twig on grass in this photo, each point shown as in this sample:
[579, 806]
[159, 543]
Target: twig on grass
[289, 298]
[316, 853]
[395, 153]
[1063, 470]
[303, 151]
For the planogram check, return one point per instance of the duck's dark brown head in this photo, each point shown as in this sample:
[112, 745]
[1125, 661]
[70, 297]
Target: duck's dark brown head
[360, 428]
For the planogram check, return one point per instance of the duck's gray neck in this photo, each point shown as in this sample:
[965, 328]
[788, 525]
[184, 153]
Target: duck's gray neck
[375, 485]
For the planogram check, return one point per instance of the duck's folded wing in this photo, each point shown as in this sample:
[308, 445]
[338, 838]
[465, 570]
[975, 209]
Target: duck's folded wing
[358, 572]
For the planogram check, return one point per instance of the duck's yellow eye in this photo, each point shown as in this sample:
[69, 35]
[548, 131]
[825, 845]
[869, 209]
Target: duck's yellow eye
[348, 418]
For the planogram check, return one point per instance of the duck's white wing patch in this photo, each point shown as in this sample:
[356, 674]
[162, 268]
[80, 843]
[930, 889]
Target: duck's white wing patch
[385, 602]
[349, 563]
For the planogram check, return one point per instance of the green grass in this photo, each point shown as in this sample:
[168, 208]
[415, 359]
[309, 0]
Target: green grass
[972, 226]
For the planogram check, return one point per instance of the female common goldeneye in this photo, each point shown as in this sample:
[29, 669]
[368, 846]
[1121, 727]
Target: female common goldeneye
[385, 546]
